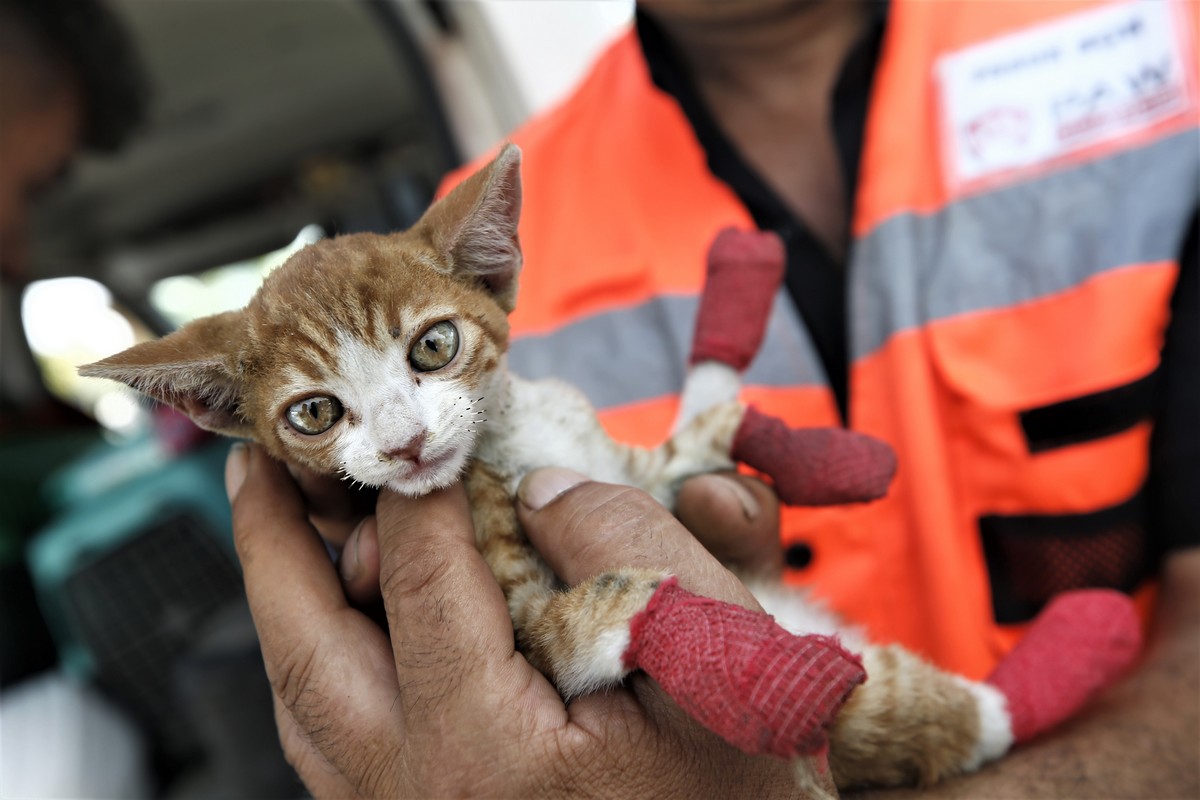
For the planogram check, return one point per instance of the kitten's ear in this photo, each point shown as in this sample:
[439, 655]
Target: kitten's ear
[474, 228]
[194, 369]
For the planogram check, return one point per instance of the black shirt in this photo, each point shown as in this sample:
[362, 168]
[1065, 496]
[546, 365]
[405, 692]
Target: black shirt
[817, 281]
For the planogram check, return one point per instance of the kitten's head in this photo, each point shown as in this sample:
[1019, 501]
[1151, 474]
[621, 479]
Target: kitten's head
[365, 356]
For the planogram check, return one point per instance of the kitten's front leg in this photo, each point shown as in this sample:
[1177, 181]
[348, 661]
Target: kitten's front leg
[808, 466]
[577, 638]
[582, 636]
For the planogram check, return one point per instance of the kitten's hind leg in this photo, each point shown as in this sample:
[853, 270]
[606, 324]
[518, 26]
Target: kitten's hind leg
[735, 670]
[911, 723]
[579, 638]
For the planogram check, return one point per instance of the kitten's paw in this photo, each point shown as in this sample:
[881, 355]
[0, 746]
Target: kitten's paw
[1079, 645]
[584, 633]
[745, 270]
[815, 466]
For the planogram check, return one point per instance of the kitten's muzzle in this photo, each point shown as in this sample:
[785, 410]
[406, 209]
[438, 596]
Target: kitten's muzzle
[409, 451]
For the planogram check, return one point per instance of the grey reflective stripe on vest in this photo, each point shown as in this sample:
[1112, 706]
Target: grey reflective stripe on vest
[640, 352]
[989, 251]
[1025, 241]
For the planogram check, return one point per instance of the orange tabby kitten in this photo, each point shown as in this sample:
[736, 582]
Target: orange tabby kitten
[382, 359]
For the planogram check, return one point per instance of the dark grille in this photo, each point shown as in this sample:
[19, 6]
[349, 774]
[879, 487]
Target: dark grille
[137, 608]
[1031, 558]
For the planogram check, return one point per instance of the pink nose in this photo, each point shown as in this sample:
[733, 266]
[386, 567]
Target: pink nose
[410, 450]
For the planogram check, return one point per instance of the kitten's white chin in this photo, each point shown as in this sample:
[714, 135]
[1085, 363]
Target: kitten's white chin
[423, 480]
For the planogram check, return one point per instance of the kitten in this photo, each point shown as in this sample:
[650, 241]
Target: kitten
[382, 359]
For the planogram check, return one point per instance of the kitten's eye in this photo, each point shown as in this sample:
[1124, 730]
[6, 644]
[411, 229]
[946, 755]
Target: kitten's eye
[314, 415]
[435, 347]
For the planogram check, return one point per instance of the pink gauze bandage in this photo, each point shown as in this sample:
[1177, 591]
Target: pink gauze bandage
[1080, 644]
[740, 674]
[745, 269]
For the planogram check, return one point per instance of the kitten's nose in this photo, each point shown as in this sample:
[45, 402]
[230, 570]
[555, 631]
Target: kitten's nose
[410, 450]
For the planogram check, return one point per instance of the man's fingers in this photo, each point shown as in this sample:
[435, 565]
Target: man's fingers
[451, 631]
[359, 564]
[329, 665]
[285, 565]
[736, 518]
[334, 508]
[320, 777]
[583, 528]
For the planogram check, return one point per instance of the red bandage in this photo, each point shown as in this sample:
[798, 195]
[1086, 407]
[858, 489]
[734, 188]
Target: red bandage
[814, 466]
[737, 672]
[1080, 644]
[745, 269]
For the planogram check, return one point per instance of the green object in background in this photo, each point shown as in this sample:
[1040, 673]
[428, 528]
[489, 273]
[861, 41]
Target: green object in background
[140, 555]
[27, 462]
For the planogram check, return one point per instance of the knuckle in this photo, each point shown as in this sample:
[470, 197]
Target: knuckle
[295, 684]
[581, 528]
[243, 526]
[414, 575]
[618, 509]
[319, 719]
[379, 774]
[620, 517]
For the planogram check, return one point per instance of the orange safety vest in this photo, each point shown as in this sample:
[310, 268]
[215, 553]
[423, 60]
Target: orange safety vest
[990, 286]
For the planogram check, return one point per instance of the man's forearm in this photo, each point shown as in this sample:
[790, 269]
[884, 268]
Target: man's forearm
[1138, 740]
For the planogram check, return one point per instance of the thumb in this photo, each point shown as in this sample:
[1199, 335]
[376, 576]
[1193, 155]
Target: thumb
[583, 528]
[736, 518]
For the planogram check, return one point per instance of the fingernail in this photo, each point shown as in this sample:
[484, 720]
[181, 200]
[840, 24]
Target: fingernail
[750, 506]
[235, 469]
[350, 564]
[541, 486]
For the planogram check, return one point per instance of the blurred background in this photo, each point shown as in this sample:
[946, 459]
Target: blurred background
[128, 665]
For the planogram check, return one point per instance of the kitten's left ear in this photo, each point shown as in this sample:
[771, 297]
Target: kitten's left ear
[193, 369]
[474, 228]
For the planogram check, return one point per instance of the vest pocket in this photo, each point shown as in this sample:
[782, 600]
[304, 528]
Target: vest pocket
[1090, 417]
[1033, 557]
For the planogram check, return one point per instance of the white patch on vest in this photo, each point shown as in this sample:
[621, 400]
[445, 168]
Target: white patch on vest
[995, 724]
[1048, 91]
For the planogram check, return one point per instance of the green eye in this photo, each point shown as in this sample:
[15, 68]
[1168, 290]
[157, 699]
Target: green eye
[314, 415]
[435, 348]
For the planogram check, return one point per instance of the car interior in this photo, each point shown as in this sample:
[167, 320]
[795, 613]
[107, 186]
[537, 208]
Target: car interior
[270, 125]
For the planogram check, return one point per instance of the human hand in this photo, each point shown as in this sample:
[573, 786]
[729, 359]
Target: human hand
[339, 511]
[444, 705]
[335, 507]
[735, 517]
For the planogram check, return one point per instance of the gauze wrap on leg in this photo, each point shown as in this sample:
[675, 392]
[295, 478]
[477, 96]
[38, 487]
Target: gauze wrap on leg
[1080, 644]
[745, 270]
[762, 689]
[814, 466]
